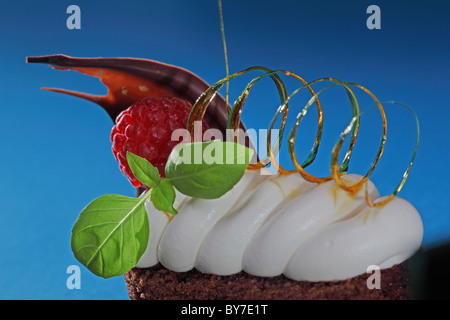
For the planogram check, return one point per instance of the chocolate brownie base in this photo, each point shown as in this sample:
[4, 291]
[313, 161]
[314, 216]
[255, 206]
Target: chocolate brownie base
[158, 283]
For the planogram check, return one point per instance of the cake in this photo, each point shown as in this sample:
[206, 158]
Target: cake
[271, 236]
[249, 251]
[159, 283]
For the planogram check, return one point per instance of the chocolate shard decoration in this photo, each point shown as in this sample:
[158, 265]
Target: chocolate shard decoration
[129, 80]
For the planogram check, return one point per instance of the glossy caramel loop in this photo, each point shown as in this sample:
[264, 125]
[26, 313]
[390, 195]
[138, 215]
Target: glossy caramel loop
[336, 149]
[291, 139]
[234, 118]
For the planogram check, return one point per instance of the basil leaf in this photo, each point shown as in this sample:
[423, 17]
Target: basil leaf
[163, 197]
[207, 169]
[111, 234]
[143, 170]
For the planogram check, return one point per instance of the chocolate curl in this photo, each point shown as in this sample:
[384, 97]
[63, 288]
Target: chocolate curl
[129, 80]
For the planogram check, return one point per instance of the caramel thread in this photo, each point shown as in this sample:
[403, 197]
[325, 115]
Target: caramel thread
[234, 120]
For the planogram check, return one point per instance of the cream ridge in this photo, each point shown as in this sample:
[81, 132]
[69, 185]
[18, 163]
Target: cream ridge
[269, 225]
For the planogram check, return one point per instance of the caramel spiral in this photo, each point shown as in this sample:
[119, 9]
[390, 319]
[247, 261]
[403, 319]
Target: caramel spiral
[336, 170]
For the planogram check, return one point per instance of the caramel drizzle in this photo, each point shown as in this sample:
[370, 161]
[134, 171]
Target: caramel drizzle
[200, 107]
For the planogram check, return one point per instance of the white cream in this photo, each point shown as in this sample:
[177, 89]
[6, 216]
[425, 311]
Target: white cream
[235, 230]
[157, 221]
[270, 250]
[282, 224]
[375, 236]
[182, 237]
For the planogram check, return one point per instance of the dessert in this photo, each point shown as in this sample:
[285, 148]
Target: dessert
[262, 236]
[301, 232]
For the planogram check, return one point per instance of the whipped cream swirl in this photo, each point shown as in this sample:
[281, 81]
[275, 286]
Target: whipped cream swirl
[269, 225]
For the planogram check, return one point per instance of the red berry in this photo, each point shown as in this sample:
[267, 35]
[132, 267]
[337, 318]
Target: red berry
[145, 129]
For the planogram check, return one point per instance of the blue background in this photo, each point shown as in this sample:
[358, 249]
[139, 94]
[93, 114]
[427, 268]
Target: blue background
[55, 151]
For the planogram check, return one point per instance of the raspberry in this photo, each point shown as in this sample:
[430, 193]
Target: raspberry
[145, 129]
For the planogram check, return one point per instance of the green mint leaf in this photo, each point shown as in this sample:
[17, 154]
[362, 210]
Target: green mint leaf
[143, 170]
[163, 197]
[111, 234]
[207, 169]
